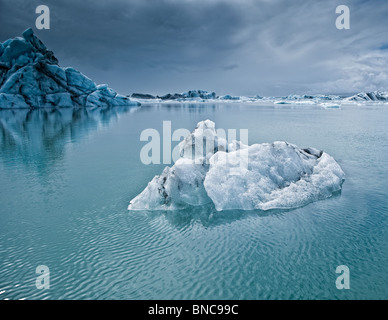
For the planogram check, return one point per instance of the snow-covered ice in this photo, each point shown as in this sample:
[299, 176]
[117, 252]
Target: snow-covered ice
[276, 175]
[30, 77]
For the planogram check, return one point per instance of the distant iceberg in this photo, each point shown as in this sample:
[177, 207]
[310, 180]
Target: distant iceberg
[277, 175]
[144, 96]
[230, 97]
[370, 97]
[323, 100]
[318, 97]
[190, 95]
[30, 77]
[193, 96]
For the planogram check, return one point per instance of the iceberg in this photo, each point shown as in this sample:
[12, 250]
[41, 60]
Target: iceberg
[326, 101]
[192, 95]
[319, 97]
[30, 77]
[306, 99]
[207, 96]
[230, 97]
[276, 175]
[281, 102]
[369, 97]
[330, 105]
[144, 96]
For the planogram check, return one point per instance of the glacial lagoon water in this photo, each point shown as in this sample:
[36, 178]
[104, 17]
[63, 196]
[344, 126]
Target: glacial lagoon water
[67, 176]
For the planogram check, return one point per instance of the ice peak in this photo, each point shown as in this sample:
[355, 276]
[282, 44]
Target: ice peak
[30, 77]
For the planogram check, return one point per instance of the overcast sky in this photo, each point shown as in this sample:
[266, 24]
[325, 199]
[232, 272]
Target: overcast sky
[242, 47]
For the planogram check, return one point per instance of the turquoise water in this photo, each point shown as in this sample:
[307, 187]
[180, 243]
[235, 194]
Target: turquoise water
[67, 176]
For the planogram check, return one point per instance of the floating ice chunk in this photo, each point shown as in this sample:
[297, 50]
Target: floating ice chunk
[276, 175]
[281, 102]
[331, 105]
[304, 102]
[279, 175]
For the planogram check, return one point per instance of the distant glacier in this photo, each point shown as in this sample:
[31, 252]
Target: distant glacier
[327, 101]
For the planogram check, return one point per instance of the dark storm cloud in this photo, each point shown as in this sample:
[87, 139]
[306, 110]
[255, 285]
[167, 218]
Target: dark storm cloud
[239, 47]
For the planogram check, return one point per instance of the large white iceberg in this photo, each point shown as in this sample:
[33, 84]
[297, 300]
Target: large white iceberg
[232, 175]
[30, 77]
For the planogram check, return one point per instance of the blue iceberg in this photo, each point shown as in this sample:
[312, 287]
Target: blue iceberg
[30, 77]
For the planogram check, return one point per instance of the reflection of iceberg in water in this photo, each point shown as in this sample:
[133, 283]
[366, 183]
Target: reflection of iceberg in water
[39, 136]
